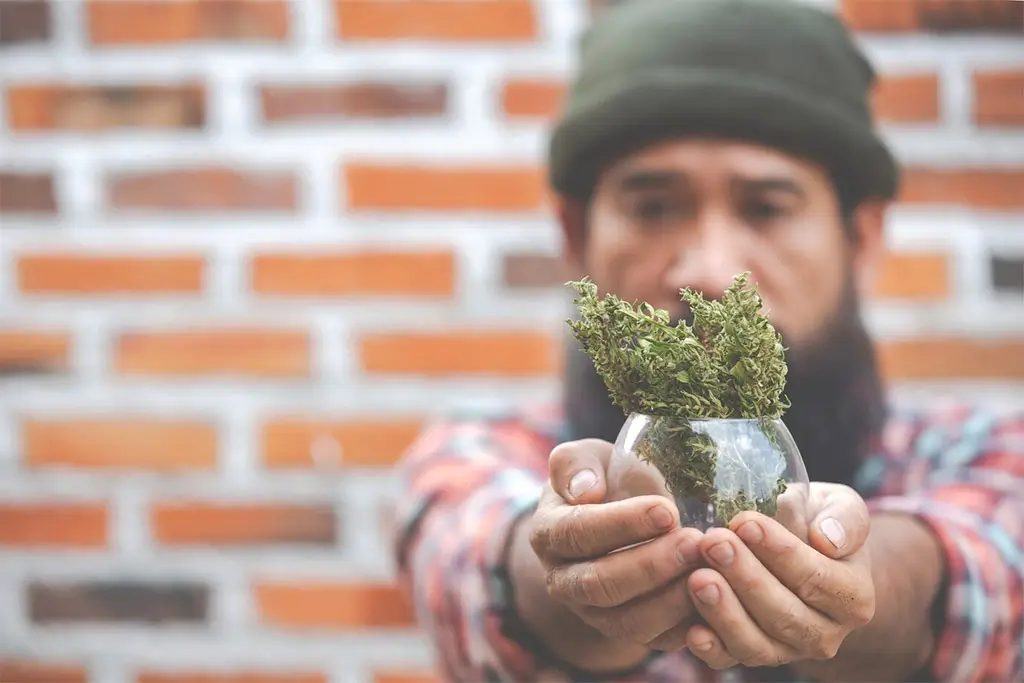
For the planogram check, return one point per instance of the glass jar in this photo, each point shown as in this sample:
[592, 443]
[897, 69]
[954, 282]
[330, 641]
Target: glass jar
[715, 469]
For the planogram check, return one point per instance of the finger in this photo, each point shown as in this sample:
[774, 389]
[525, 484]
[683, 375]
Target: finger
[839, 589]
[577, 470]
[647, 618]
[773, 607]
[564, 533]
[842, 523]
[674, 639]
[723, 613]
[702, 642]
[617, 578]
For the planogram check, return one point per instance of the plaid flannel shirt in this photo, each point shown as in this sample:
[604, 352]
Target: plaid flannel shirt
[466, 482]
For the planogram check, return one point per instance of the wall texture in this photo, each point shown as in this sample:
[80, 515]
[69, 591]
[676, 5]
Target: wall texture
[247, 247]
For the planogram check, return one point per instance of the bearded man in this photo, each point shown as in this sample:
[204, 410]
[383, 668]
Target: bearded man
[702, 139]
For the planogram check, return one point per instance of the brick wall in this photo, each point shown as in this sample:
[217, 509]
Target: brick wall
[248, 247]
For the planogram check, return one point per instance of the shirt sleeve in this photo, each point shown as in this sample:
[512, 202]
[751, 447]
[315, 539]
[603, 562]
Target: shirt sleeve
[966, 482]
[463, 488]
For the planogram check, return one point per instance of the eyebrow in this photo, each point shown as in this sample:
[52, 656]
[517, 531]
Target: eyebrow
[648, 179]
[777, 184]
[640, 179]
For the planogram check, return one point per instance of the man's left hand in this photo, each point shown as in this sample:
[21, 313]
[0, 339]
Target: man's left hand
[769, 598]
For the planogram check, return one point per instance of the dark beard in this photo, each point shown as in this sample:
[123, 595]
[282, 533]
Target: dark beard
[836, 391]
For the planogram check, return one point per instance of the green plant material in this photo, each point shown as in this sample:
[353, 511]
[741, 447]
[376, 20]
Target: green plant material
[729, 364]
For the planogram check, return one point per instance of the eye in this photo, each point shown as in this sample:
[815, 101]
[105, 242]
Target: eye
[653, 211]
[760, 211]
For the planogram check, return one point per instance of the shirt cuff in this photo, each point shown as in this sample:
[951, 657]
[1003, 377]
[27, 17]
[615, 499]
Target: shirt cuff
[964, 611]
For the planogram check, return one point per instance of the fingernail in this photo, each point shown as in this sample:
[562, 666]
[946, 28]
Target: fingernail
[688, 552]
[661, 517]
[750, 532]
[581, 483]
[704, 647]
[722, 553]
[834, 532]
[708, 595]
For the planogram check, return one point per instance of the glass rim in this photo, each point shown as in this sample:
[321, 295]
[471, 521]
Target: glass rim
[680, 418]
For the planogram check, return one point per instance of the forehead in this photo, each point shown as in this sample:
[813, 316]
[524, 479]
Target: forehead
[710, 159]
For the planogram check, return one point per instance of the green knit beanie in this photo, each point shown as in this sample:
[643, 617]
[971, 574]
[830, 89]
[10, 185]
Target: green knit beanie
[776, 72]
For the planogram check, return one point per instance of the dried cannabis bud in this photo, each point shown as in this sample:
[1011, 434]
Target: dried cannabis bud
[728, 364]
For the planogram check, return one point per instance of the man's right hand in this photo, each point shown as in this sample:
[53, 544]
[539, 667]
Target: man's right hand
[608, 550]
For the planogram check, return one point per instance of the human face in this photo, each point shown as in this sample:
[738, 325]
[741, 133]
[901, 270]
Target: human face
[696, 212]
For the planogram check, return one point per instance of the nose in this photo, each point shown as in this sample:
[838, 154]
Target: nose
[707, 260]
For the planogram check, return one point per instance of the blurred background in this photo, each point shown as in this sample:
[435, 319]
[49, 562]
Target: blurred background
[247, 247]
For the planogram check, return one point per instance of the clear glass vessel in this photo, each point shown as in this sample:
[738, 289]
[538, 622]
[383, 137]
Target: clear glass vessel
[714, 469]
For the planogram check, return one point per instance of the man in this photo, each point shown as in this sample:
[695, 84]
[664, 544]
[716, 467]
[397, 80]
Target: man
[701, 139]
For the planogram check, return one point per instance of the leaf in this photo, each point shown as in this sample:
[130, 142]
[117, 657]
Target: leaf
[729, 363]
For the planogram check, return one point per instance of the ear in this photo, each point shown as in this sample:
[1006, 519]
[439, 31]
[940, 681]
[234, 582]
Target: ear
[868, 224]
[572, 217]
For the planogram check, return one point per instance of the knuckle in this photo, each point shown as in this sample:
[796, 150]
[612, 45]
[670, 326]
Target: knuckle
[862, 611]
[563, 453]
[555, 582]
[812, 586]
[759, 658]
[540, 536]
[596, 588]
[574, 532]
[722, 663]
[826, 648]
[787, 627]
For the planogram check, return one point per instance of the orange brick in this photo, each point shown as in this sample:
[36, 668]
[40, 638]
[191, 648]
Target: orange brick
[203, 189]
[162, 22]
[68, 274]
[138, 444]
[230, 677]
[411, 188]
[12, 671]
[438, 20]
[363, 100]
[907, 99]
[292, 442]
[916, 277]
[34, 351]
[252, 352]
[396, 676]
[953, 358]
[29, 525]
[307, 604]
[98, 108]
[943, 16]
[494, 353]
[527, 98]
[367, 273]
[195, 523]
[982, 188]
[999, 98]
[879, 15]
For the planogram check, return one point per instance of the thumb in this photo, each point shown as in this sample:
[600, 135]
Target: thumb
[578, 470]
[841, 521]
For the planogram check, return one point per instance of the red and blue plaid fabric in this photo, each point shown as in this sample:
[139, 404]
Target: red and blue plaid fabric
[466, 482]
